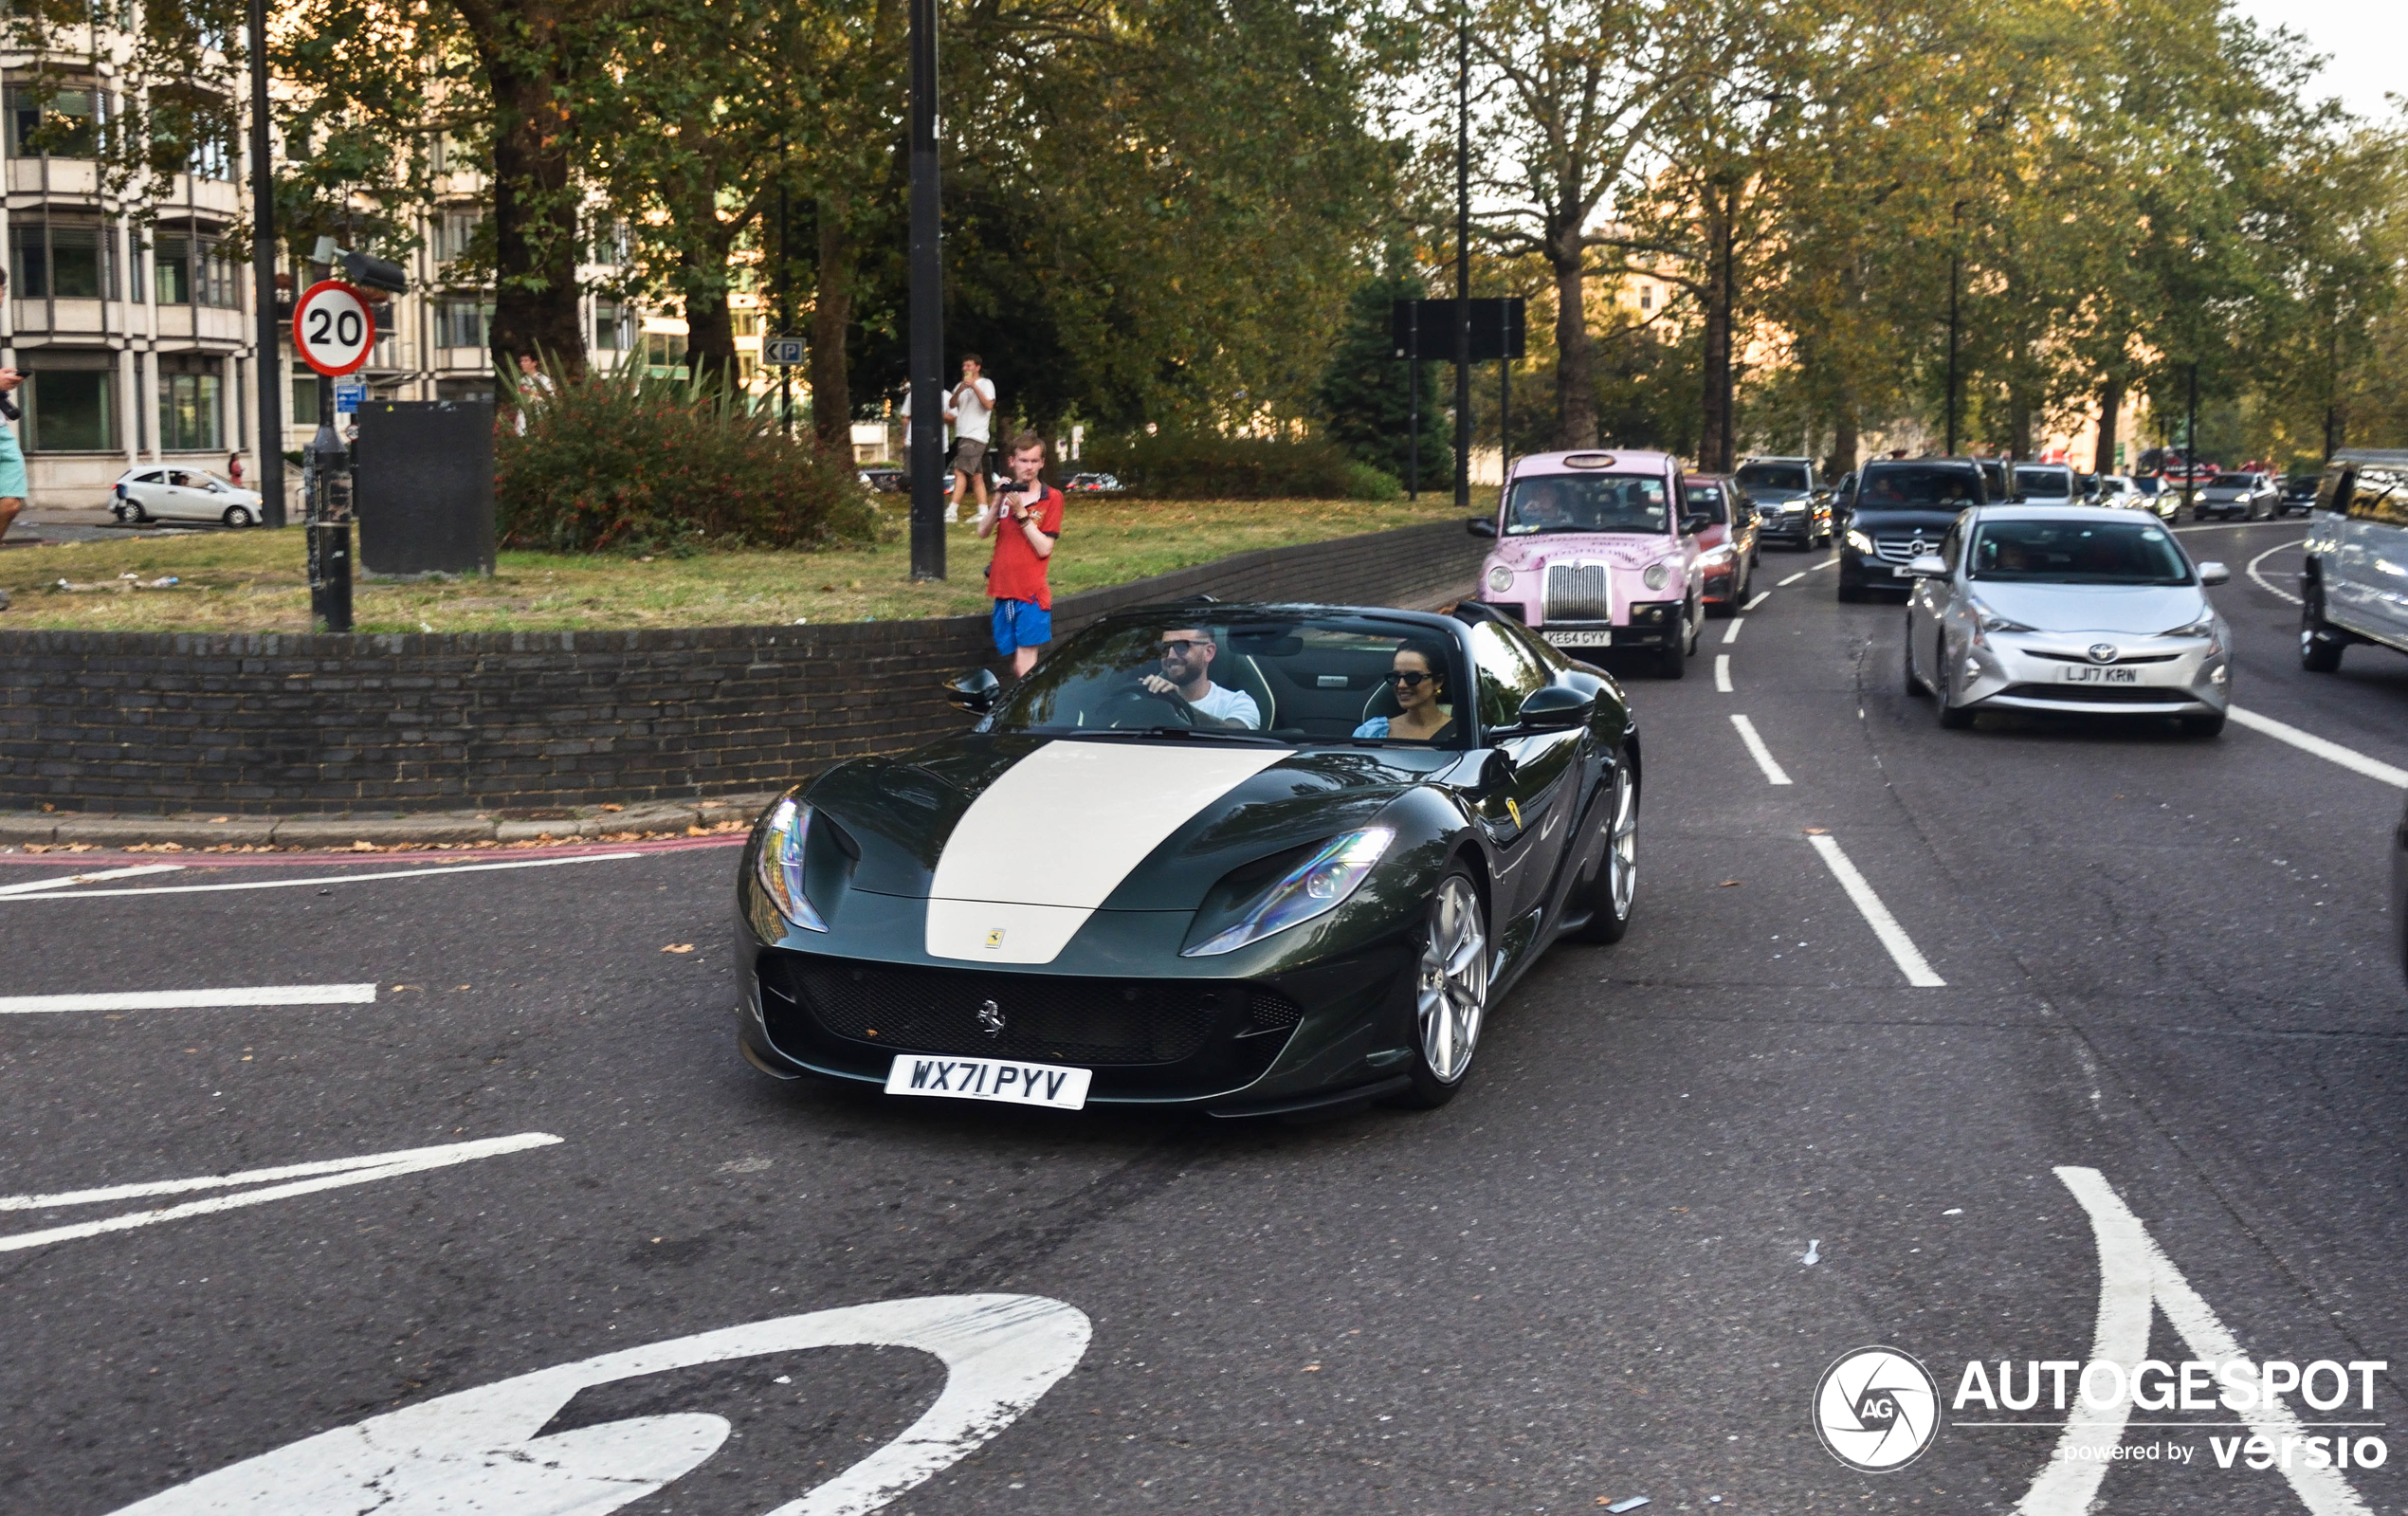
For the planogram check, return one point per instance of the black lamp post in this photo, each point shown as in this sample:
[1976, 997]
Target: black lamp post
[1463, 264]
[927, 307]
[270, 364]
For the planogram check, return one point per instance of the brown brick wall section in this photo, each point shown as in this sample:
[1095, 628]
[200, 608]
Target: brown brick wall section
[159, 722]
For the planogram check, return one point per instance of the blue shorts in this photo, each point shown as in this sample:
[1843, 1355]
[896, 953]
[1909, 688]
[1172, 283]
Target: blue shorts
[1021, 624]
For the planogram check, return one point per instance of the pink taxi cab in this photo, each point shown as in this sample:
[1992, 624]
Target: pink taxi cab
[1597, 552]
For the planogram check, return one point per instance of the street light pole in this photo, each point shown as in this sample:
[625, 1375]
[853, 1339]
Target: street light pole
[1955, 278]
[2191, 440]
[1463, 262]
[270, 364]
[927, 307]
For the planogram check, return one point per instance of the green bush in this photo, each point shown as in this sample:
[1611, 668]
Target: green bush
[629, 463]
[1206, 466]
[1363, 482]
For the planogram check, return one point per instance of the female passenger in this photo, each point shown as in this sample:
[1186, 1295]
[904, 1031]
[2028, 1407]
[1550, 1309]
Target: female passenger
[1417, 679]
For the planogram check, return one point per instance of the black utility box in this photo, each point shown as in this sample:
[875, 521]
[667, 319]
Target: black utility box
[425, 486]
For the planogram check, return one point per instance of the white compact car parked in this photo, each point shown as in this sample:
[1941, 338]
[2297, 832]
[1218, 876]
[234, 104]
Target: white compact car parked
[2081, 609]
[158, 492]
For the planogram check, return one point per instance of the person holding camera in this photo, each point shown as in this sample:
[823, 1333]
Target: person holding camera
[1025, 521]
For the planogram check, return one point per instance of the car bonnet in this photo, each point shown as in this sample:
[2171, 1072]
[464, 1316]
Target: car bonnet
[2123, 609]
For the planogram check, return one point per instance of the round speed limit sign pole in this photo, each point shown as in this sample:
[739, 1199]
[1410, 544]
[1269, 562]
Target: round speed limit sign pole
[333, 327]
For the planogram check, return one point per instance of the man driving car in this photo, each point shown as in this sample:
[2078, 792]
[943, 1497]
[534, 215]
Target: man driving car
[1187, 673]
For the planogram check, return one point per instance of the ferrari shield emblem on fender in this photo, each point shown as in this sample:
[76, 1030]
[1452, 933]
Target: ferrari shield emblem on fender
[994, 938]
[1514, 812]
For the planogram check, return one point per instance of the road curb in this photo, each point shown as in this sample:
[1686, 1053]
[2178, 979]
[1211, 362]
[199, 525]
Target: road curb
[202, 832]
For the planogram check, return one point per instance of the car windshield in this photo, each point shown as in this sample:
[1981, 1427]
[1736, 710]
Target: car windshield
[2077, 553]
[1249, 679]
[1773, 476]
[1588, 503]
[1920, 484]
[2044, 480]
[1707, 501]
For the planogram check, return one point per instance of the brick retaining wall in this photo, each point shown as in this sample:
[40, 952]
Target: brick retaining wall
[158, 722]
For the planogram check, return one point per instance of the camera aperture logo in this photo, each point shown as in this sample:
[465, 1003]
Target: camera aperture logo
[1877, 1409]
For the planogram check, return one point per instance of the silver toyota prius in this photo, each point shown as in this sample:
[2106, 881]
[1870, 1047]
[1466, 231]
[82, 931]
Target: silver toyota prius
[2083, 609]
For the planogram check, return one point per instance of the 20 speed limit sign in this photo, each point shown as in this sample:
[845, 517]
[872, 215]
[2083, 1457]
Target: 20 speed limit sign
[333, 327]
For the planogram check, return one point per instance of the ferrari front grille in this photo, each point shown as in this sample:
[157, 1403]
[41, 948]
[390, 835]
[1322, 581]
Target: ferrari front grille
[1042, 1017]
[1578, 592]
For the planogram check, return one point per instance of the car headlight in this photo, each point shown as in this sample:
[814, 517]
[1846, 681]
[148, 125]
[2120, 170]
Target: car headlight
[1316, 887]
[1989, 620]
[1656, 576]
[1716, 555]
[1856, 539]
[780, 866]
[1500, 579]
[2203, 627]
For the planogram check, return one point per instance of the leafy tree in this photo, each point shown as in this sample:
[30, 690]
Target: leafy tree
[1366, 395]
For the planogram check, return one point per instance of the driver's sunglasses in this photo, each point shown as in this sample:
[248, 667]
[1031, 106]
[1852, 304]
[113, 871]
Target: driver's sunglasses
[1179, 645]
[1408, 677]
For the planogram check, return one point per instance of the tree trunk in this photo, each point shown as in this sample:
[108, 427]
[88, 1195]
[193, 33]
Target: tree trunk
[2110, 403]
[832, 399]
[2018, 421]
[1576, 392]
[1843, 443]
[710, 329]
[534, 201]
[1714, 443]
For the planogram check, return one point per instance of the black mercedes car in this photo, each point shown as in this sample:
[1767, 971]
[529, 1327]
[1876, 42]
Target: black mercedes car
[1253, 858]
[1897, 511]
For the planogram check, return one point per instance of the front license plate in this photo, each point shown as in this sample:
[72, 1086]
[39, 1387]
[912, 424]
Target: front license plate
[1581, 639]
[1003, 1079]
[2081, 674]
[1902, 572]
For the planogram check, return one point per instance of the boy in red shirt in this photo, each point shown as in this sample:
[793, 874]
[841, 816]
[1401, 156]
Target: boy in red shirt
[1026, 520]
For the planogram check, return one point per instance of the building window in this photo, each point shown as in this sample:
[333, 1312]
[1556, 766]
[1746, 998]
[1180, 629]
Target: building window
[1647, 296]
[171, 269]
[66, 125]
[188, 406]
[609, 326]
[463, 322]
[304, 411]
[745, 323]
[60, 260]
[470, 389]
[220, 282]
[664, 354]
[614, 243]
[455, 234]
[70, 407]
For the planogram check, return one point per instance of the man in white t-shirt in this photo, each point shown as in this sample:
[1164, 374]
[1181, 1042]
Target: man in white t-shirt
[1187, 672]
[970, 409]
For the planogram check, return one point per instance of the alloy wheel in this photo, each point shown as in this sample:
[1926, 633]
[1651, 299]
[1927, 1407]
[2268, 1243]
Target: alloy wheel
[1622, 846]
[1452, 994]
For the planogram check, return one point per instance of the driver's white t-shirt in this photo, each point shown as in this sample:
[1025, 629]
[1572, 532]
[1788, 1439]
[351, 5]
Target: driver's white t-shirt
[1225, 705]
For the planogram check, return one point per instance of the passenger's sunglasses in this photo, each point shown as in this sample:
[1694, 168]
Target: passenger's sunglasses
[1410, 679]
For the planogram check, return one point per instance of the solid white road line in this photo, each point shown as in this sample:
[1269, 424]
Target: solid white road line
[2348, 757]
[336, 879]
[1723, 672]
[2261, 578]
[2134, 1275]
[1792, 580]
[1757, 750]
[377, 1166]
[193, 1000]
[1732, 635]
[1758, 599]
[35, 886]
[1901, 948]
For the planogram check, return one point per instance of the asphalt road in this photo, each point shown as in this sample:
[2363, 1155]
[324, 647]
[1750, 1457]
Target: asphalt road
[2164, 964]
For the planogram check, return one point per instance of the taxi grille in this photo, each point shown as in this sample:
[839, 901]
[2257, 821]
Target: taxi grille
[1578, 592]
[1042, 1017]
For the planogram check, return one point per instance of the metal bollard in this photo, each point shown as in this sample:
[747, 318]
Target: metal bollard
[329, 531]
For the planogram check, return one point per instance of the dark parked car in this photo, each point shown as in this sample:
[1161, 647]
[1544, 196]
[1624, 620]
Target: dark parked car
[1792, 502]
[1091, 485]
[1898, 512]
[2298, 494]
[886, 479]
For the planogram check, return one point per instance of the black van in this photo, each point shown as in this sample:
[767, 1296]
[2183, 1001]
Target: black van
[1897, 510]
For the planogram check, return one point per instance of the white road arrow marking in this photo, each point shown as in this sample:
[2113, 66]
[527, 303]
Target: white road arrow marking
[308, 1179]
[478, 1449]
[2135, 1273]
[190, 999]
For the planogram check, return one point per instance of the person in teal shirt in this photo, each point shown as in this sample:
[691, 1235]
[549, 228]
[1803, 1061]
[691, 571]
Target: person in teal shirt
[13, 488]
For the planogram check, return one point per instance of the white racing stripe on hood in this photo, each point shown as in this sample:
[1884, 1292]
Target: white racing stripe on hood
[1048, 841]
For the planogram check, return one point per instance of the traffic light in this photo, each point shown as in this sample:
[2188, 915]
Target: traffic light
[376, 273]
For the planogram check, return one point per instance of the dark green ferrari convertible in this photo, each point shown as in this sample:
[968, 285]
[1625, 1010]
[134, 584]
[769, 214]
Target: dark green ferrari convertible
[1256, 858]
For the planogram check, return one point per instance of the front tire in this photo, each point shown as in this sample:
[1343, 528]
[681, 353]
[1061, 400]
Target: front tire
[1953, 717]
[2203, 725]
[237, 515]
[1914, 685]
[1450, 992]
[2319, 650]
[1613, 892]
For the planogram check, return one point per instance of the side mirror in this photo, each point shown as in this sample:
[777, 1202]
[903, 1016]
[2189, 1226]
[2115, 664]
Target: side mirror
[1694, 523]
[2212, 573]
[973, 690]
[1555, 708]
[1929, 566]
[1481, 526]
[1496, 771]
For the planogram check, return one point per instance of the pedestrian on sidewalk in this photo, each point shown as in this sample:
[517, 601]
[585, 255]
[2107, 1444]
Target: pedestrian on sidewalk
[535, 386]
[234, 470]
[970, 409]
[13, 488]
[1026, 523]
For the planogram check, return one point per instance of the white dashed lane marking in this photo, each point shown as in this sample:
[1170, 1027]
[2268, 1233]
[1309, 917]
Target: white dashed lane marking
[1901, 948]
[1732, 635]
[49, 893]
[1757, 750]
[1758, 599]
[1792, 580]
[2348, 757]
[1723, 672]
[263, 995]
